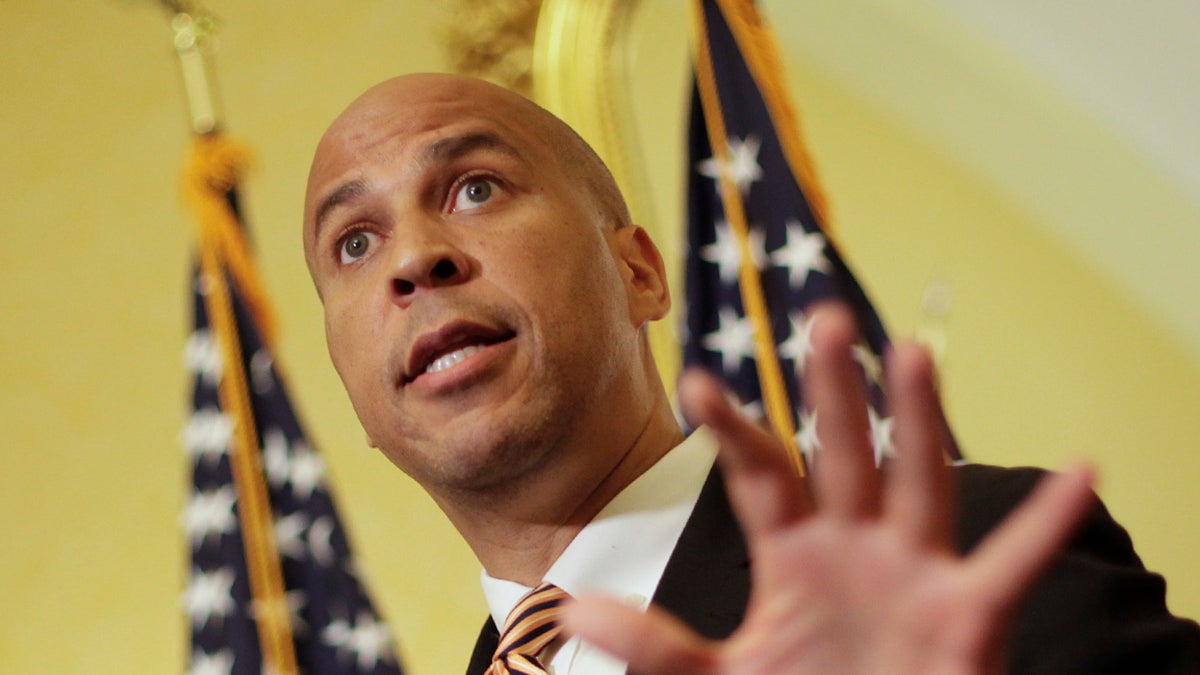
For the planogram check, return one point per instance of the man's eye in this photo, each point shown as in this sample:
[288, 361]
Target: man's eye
[472, 193]
[356, 246]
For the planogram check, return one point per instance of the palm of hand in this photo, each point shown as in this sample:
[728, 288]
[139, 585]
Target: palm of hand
[866, 602]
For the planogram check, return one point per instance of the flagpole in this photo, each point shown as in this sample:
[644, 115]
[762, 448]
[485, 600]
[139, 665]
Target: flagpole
[195, 30]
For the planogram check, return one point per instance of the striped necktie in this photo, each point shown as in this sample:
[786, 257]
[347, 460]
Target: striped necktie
[530, 626]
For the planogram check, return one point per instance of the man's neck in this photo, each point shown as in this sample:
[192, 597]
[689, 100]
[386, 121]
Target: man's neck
[518, 534]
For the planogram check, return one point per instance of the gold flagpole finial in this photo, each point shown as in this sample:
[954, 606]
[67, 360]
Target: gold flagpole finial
[195, 37]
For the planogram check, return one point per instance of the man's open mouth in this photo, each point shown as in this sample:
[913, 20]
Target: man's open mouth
[450, 345]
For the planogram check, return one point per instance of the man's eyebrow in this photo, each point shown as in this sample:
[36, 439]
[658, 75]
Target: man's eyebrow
[348, 191]
[457, 146]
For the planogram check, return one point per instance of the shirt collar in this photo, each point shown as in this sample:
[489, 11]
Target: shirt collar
[623, 551]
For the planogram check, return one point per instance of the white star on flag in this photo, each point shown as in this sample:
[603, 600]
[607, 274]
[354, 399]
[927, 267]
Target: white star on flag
[296, 465]
[208, 595]
[806, 435]
[881, 435]
[210, 513]
[289, 534]
[733, 339]
[260, 372]
[319, 541]
[798, 344]
[203, 357]
[871, 365]
[306, 470]
[207, 435]
[726, 254]
[287, 608]
[752, 410]
[295, 600]
[275, 457]
[220, 663]
[803, 254]
[367, 639]
[742, 168]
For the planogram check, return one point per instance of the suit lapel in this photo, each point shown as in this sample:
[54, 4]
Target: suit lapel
[485, 647]
[707, 579]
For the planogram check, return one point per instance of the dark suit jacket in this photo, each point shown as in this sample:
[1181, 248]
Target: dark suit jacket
[1096, 611]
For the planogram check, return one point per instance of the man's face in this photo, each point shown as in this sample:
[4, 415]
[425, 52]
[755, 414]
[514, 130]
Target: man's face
[476, 304]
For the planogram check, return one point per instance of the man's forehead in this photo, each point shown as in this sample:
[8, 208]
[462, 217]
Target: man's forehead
[430, 138]
[350, 157]
[396, 125]
[417, 106]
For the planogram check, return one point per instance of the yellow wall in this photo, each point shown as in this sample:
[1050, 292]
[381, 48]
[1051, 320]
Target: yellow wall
[1045, 359]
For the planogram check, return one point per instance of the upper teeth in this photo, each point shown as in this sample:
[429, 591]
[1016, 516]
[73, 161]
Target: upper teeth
[452, 359]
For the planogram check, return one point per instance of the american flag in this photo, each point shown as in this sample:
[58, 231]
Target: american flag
[333, 627]
[738, 73]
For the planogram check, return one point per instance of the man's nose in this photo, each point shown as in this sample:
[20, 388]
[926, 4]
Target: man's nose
[426, 259]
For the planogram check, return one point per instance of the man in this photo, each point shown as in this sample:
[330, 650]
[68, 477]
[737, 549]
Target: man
[486, 301]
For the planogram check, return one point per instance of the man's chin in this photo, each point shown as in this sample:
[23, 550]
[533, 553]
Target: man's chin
[473, 461]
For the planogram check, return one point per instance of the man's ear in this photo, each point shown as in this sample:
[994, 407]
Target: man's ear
[371, 441]
[644, 274]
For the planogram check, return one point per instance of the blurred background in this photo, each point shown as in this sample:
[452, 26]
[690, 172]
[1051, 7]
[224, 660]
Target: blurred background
[1019, 182]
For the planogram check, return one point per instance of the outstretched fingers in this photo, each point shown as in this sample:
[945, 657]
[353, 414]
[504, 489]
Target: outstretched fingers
[763, 488]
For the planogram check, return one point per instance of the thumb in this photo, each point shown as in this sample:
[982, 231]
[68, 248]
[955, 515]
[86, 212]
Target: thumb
[653, 643]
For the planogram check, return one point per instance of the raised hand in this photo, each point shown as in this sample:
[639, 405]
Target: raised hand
[860, 575]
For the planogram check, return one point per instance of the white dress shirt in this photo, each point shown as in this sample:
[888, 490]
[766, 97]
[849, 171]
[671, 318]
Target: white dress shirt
[622, 552]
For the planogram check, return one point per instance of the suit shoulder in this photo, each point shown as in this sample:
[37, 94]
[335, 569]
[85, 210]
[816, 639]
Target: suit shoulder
[986, 495]
[1097, 609]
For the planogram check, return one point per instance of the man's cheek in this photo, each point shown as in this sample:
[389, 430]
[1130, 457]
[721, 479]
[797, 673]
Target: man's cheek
[339, 336]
